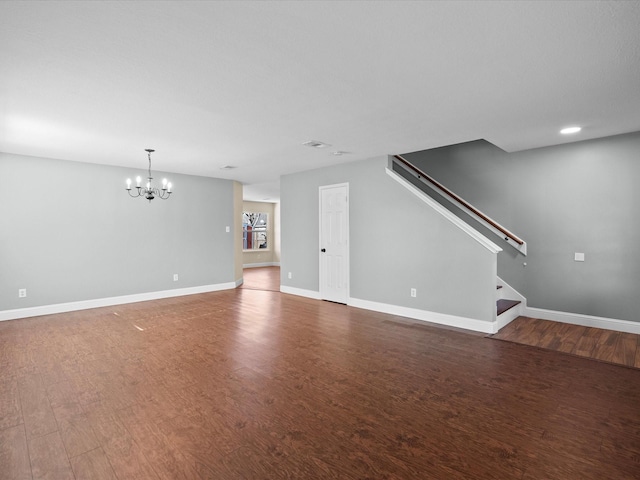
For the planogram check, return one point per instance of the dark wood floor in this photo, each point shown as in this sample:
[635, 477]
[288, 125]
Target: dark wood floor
[251, 384]
[605, 345]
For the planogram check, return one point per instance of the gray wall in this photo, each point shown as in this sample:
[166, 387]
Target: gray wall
[396, 243]
[70, 232]
[578, 197]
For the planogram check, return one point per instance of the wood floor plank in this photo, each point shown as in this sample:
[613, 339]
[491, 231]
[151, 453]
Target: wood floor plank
[512, 330]
[606, 346]
[569, 336]
[49, 459]
[10, 408]
[165, 456]
[36, 409]
[125, 455]
[587, 342]
[14, 454]
[94, 465]
[541, 329]
[75, 429]
[624, 349]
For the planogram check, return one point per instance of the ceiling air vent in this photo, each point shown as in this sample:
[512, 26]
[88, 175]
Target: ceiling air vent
[315, 144]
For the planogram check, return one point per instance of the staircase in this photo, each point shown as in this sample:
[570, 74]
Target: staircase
[506, 310]
[428, 189]
[504, 305]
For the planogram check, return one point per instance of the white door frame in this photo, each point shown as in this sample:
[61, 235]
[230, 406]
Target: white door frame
[347, 223]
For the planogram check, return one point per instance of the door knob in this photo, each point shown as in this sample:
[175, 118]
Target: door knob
[323, 250]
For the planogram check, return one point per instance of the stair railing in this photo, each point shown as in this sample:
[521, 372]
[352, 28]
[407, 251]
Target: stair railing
[511, 238]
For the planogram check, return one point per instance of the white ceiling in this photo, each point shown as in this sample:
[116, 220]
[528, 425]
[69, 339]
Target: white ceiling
[209, 84]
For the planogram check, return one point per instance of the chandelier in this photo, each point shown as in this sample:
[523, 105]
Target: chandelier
[148, 191]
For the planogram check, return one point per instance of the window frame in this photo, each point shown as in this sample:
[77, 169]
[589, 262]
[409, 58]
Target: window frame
[259, 223]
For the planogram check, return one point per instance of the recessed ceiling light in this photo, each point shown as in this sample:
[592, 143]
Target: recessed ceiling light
[228, 167]
[570, 130]
[315, 144]
[337, 153]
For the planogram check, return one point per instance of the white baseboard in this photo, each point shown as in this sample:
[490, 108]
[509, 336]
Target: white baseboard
[106, 302]
[300, 292]
[605, 323]
[425, 315]
[414, 313]
[257, 265]
[583, 320]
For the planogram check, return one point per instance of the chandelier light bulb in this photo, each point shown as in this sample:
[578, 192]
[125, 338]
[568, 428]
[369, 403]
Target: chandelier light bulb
[128, 184]
[570, 130]
[138, 180]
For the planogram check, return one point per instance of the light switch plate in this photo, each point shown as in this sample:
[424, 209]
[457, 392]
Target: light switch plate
[579, 257]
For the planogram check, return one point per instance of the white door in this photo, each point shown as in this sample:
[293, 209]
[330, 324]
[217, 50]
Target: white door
[334, 242]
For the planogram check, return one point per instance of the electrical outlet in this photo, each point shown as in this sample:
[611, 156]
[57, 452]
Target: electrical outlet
[22, 292]
[175, 277]
[413, 292]
[228, 229]
[290, 275]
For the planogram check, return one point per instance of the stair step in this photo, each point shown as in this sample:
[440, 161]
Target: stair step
[504, 305]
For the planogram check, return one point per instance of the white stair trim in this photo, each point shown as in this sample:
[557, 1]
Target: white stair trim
[509, 292]
[464, 206]
[454, 219]
[505, 318]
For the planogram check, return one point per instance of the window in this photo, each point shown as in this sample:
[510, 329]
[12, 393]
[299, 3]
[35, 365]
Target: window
[254, 231]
